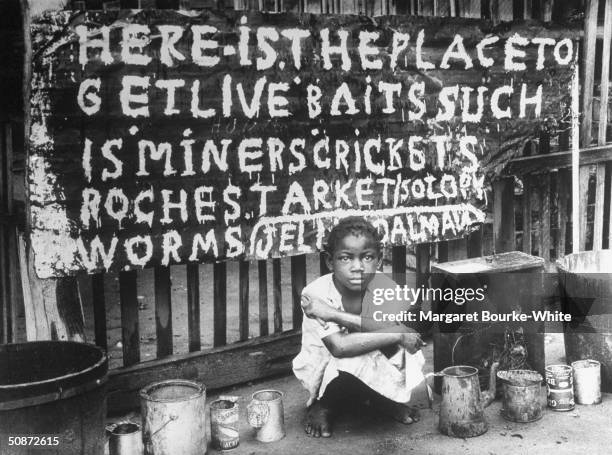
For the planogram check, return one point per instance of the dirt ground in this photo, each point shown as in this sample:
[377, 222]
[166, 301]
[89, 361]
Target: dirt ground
[584, 430]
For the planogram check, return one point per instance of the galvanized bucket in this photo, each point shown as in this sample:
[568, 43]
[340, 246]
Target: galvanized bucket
[521, 395]
[174, 418]
[587, 381]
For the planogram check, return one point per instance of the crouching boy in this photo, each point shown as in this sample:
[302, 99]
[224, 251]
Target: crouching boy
[346, 357]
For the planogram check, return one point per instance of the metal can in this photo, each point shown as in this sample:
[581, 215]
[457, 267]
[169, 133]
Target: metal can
[560, 385]
[587, 381]
[224, 424]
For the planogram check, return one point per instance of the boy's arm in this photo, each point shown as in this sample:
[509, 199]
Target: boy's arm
[342, 344]
[315, 308]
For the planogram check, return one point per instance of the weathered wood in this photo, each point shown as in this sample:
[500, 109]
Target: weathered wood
[99, 310]
[8, 248]
[277, 295]
[553, 161]
[32, 312]
[220, 304]
[423, 264]
[609, 170]
[323, 269]
[494, 12]
[398, 264]
[262, 273]
[133, 242]
[457, 249]
[506, 11]
[6, 306]
[55, 310]
[605, 75]
[313, 6]
[598, 219]
[528, 9]
[193, 307]
[426, 8]
[219, 367]
[588, 75]
[474, 248]
[503, 214]
[546, 9]
[564, 185]
[583, 188]
[544, 218]
[130, 332]
[510, 261]
[442, 8]
[163, 311]
[298, 282]
[442, 251]
[243, 300]
[536, 222]
[527, 224]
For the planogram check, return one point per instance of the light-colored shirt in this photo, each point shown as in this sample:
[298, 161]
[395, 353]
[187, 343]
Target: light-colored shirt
[315, 367]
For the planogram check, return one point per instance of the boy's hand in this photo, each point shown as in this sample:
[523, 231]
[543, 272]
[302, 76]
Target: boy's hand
[411, 341]
[316, 308]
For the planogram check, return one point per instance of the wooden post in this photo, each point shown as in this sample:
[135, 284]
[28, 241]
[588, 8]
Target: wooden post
[193, 307]
[588, 75]
[503, 214]
[398, 264]
[163, 310]
[54, 304]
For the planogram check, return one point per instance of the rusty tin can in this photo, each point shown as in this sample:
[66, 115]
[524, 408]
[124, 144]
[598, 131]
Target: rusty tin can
[224, 424]
[560, 385]
[521, 395]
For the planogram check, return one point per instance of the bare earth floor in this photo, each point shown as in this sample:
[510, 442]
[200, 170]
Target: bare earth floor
[586, 430]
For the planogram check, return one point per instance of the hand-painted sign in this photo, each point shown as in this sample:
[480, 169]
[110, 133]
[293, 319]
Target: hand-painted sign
[163, 137]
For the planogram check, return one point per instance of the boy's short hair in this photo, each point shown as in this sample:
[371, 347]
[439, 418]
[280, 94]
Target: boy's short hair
[352, 225]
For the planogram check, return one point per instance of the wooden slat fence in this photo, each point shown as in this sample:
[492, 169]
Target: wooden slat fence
[543, 208]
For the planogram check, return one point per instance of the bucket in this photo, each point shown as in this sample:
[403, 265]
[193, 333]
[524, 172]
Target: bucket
[521, 395]
[587, 381]
[560, 385]
[125, 439]
[586, 290]
[54, 389]
[174, 418]
[224, 424]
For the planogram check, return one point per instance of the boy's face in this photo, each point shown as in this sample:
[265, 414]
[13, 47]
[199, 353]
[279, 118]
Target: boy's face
[353, 257]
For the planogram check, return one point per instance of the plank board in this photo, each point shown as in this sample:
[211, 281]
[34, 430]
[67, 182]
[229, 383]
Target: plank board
[130, 333]
[262, 273]
[216, 368]
[503, 215]
[99, 310]
[213, 136]
[163, 311]
[527, 208]
[193, 307]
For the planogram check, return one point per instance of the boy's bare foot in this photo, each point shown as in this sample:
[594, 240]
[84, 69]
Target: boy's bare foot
[405, 414]
[318, 421]
[397, 411]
